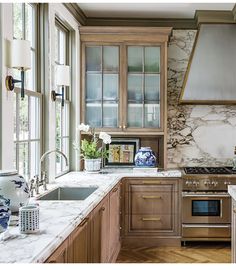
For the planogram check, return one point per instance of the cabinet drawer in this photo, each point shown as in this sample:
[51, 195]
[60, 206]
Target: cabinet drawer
[150, 203]
[150, 222]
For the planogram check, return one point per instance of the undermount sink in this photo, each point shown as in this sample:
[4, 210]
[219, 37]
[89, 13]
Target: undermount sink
[68, 194]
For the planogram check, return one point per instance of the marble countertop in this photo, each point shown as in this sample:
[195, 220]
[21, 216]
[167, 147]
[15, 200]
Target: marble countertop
[232, 191]
[59, 218]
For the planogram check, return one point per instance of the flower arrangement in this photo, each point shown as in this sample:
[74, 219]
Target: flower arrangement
[89, 148]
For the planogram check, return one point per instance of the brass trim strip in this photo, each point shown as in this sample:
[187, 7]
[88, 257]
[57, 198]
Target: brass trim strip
[151, 197]
[151, 219]
[151, 182]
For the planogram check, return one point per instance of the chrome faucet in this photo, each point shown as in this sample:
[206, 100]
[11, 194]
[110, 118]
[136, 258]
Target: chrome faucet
[42, 179]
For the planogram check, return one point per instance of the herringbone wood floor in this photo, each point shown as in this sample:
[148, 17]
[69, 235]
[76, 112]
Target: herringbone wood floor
[191, 253]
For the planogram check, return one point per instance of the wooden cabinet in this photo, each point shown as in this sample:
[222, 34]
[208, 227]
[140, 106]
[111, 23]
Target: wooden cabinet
[124, 74]
[60, 255]
[150, 209]
[78, 247]
[233, 234]
[114, 232]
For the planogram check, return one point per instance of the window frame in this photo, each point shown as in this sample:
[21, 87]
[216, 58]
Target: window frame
[34, 93]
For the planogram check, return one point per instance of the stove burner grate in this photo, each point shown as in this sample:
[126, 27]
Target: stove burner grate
[209, 170]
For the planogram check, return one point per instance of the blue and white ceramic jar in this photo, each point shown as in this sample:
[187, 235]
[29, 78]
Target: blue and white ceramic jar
[14, 190]
[145, 158]
[5, 214]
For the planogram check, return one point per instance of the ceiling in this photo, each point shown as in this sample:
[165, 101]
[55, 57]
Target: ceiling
[149, 10]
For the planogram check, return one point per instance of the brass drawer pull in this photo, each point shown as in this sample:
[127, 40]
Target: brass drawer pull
[151, 197]
[151, 219]
[152, 182]
[115, 189]
[83, 222]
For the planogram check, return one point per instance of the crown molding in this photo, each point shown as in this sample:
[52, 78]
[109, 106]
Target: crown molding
[214, 16]
[77, 12]
[234, 12]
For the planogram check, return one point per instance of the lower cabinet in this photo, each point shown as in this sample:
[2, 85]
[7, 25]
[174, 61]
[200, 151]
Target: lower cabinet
[97, 238]
[151, 211]
[233, 234]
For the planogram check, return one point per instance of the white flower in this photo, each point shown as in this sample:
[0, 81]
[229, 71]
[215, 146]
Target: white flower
[106, 138]
[83, 127]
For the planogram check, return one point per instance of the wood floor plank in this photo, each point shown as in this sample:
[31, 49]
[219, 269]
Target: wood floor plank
[191, 253]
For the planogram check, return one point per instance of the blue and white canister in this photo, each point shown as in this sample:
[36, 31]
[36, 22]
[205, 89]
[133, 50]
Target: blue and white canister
[145, 158]
[5, 214]
[14, 190]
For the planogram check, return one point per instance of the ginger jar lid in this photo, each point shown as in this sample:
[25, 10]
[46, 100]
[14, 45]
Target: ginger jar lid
[8, 172]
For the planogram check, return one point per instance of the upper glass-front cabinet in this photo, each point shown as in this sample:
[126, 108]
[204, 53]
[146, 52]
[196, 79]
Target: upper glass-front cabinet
[143, 87]
[102, 72]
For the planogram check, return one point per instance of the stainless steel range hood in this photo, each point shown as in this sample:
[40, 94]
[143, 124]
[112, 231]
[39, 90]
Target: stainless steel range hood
[211, 73]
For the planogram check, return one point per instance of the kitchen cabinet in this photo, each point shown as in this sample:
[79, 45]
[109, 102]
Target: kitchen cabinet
[233, 234]
[124, 74]
[60, 254]
[151, 211]
[97, 238]
[78, 247]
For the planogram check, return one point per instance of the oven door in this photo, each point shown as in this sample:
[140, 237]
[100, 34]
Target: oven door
[206, 208]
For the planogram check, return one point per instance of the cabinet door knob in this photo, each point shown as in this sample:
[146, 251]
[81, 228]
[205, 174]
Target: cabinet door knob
[103, 208]
[120, 126]
[124, 126]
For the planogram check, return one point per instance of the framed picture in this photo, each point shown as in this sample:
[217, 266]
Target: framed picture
[122, 151]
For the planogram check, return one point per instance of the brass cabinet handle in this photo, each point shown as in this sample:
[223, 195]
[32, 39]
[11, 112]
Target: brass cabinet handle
[124, 126]
[120, 126]
[83, 222]
[115, 189]
[152, 182]
[151, 219]
[151, 197]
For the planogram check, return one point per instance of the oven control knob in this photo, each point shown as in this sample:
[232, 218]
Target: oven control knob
[196, 183]
[188, 183]
[227, 183]
[214, 183]
[207, 183]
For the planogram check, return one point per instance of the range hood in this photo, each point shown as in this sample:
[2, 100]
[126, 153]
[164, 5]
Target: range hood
[211, 73]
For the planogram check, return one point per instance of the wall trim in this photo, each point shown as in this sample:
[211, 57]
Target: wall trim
[77, 12]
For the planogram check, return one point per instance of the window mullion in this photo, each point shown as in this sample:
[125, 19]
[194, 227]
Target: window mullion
[29, 127]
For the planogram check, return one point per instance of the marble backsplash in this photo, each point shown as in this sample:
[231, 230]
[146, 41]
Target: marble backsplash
[198, 135]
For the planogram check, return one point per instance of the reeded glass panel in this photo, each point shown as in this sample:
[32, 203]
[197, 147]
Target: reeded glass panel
[135, 86]
[152, 59]
[34, 118]
[110, 86]
[110, 58]
[152, 87]
[152, 115]
[135, 59]
[94, 114]
[23, 118]
[34, 159]
[93, 59]
[110, 115]
[23, 159]
[94, 86]
[135, 115]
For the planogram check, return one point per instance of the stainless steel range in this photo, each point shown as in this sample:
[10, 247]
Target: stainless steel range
[206, 204]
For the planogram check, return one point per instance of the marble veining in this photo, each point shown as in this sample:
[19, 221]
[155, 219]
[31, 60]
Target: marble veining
[198, 135]
[232, 191]
[59, 218]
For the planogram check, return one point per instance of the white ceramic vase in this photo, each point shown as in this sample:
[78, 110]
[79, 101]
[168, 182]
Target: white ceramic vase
[92, 165]
[14, 190]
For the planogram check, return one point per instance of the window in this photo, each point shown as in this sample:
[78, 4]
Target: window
[27, 135]
[62, 113]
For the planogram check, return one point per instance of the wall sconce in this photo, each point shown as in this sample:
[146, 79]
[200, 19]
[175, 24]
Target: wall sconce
[62, 79]
[21, 60]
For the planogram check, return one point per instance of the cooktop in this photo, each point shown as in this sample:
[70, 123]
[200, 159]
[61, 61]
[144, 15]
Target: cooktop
[209, 170]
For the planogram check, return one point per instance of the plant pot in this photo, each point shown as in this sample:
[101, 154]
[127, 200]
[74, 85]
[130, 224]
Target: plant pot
[92, 165]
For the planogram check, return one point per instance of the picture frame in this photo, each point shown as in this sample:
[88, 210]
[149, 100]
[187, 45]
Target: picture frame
[122, 152]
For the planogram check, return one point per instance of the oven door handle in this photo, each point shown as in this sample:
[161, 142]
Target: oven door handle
[205, 195]
[206, 226]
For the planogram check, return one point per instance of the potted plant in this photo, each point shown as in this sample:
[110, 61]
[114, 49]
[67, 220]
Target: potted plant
[90, 150]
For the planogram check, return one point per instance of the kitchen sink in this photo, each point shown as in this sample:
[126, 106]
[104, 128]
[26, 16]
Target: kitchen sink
[68, 194]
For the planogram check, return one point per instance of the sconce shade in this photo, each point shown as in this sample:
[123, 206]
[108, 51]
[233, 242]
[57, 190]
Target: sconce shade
[63, 75]
[20, 54]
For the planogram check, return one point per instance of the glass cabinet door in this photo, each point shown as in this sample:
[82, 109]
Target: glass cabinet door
[143, 87]
[102, 86]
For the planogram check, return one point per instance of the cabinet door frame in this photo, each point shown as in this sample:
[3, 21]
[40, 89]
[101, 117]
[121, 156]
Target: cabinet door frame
[163, 90]
[83, 84]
